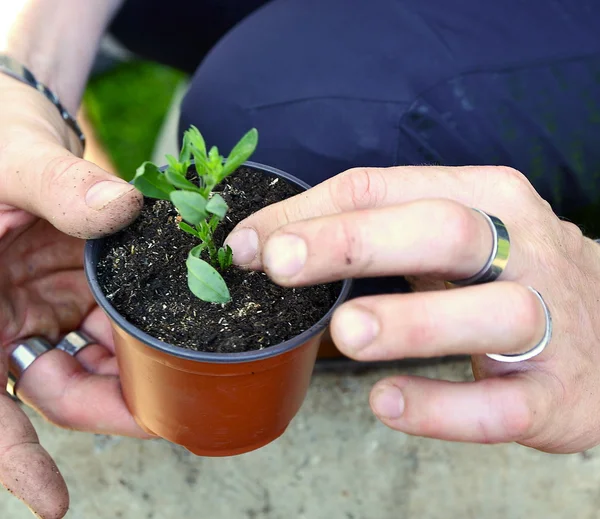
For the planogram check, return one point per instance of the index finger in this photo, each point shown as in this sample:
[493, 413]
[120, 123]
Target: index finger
[367, 188]
[26, 469]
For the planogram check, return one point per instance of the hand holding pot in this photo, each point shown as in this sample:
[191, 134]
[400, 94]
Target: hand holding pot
[419, 222]
[44, 187]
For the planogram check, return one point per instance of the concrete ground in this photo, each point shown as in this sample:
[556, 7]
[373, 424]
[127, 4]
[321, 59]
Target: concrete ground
[334, 462]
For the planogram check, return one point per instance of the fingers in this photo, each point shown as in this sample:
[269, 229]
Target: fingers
[367, 188]
[435, 237]
[98, 358]
[501, 317]
[512, 408]
[26, 469]
[58, 387]
[76, 196]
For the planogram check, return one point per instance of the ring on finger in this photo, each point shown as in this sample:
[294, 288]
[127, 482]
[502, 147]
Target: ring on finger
[539, 347]
[24, 354]
[27, 351]
[74, 342]
[498, 258]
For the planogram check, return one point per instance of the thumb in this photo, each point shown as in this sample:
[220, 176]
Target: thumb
[76, 196]
[26, 468]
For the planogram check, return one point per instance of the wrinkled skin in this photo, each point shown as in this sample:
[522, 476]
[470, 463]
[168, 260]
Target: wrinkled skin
[44, 187]
[417, 222]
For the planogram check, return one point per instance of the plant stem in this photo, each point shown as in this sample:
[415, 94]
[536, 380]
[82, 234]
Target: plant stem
[213, 253]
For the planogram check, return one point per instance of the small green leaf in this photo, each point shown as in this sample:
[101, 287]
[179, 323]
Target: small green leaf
[213, 223]
[240, 153]
[215, 164]
[203, 170]
[201, 162]
[225, 257]
[188, 228]
[186, 150]
[151, 182]
[191, 206]
[205, 282]
[172, 162]
[179, 181]
[192, 138]
[216, 205]
[203, 230]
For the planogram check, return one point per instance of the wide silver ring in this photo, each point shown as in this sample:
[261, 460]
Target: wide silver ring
[74, 342]
[23, 355]
[538, 348]
[498, 259]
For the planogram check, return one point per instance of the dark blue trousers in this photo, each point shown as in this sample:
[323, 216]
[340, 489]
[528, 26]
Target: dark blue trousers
[333, 84]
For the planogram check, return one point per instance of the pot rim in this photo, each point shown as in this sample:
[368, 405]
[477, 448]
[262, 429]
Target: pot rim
[92, 250]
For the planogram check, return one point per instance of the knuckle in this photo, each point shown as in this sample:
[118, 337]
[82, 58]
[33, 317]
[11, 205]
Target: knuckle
[513, 183]
[573, 233]
[460, 229]
[58, 170]
[515, 419]
[573, 240]
[518, 420]
[528, 315]
[358, 188]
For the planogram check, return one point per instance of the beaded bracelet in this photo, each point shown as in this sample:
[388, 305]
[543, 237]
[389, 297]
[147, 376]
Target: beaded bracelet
[18, 71]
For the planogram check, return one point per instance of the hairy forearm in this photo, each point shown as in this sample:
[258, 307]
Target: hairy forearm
[56, 39]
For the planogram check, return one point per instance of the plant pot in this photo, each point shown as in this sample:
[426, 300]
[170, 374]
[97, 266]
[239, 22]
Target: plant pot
[214, 404]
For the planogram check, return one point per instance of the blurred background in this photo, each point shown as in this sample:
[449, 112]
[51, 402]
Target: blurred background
[336, 461]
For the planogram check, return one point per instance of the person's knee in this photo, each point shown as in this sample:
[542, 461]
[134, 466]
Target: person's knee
[314, 119]
[313, 138]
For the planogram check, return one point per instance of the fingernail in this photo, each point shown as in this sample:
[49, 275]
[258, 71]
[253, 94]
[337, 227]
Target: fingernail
[244, 244]
[355, 328]
[388, 403]
[284, 255]
[105, 192]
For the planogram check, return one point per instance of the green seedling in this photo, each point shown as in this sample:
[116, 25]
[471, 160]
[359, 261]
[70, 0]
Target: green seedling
[201, 210]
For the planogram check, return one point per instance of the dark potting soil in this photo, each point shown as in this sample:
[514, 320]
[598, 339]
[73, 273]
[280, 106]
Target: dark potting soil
[142, 271]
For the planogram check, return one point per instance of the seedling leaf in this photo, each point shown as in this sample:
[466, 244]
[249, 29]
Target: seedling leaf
[225, 257]
[216, 205]
[205, 282]
[191, 206]
[179, 181]
[240, 153]
[151, 182]
[188, 228]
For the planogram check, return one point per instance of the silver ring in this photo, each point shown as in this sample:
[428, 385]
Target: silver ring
[498, 259]
[74, 342]
[538, 348]
[23, 356]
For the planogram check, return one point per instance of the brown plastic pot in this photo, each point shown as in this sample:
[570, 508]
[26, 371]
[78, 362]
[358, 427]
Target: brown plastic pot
[214, 404]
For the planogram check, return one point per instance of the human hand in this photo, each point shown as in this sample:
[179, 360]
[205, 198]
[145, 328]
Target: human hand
[45, 188]
[417, 221]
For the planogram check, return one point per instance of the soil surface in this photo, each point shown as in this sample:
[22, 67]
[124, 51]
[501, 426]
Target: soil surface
[143, 273]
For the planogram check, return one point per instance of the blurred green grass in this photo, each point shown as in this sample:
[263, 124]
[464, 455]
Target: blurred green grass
[127, 106]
